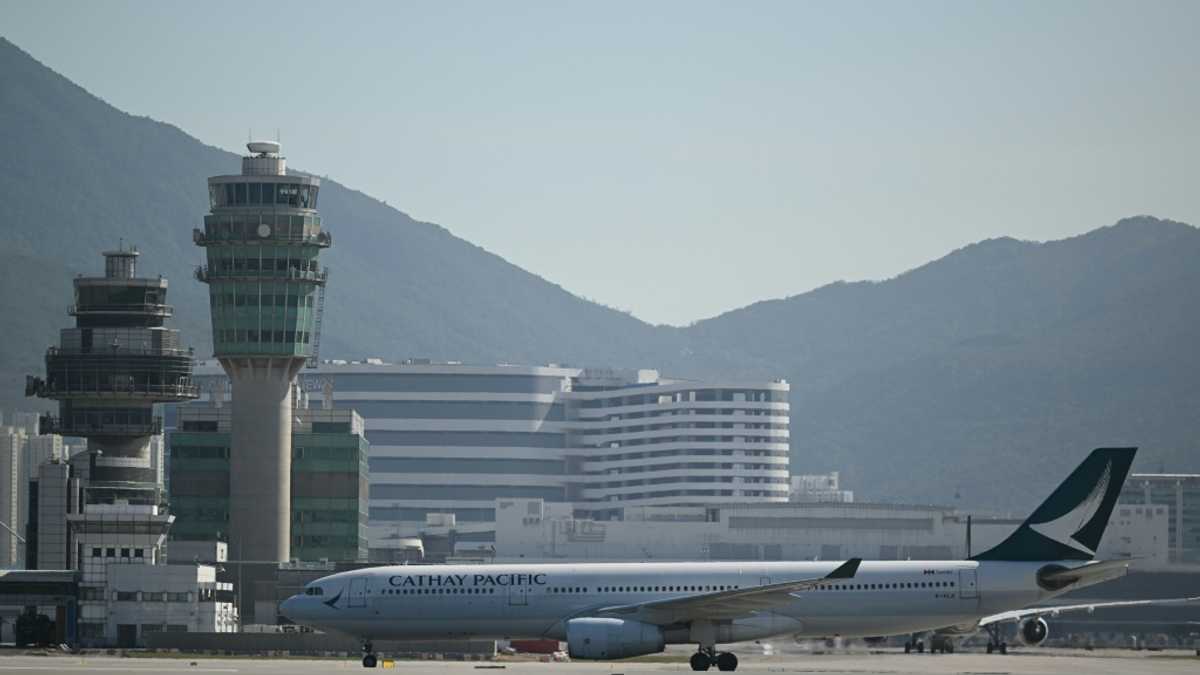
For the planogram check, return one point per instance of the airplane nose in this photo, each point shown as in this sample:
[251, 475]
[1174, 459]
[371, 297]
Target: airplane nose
[288, 607]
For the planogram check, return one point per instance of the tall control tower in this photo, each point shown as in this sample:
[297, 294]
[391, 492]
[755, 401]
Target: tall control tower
[266, 291]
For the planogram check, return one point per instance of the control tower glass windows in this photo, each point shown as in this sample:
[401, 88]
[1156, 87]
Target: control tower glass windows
[293, 195]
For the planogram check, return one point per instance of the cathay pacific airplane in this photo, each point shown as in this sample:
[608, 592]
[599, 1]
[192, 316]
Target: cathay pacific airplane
[619, 610]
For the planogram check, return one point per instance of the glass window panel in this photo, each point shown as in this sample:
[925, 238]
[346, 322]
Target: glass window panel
[256, 193]
[268, 193]
[228, 194]
[240, 194]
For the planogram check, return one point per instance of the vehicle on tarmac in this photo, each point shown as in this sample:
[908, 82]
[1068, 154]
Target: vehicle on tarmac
[619, 610]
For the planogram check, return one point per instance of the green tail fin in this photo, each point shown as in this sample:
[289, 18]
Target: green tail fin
[1070, 523]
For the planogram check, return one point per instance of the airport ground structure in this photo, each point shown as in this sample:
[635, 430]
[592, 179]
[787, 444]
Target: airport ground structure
[262, 240]
[1180, 494]
[328, 481]
[534, 530]
[447, 440]
[98, 518]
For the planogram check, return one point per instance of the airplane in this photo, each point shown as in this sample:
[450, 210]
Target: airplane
[619, 610]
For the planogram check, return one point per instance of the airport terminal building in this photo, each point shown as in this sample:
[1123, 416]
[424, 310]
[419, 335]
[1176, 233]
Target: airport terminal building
[447, 440]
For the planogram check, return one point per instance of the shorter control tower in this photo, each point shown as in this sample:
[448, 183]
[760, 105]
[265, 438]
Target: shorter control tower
[266, 290]
[107, 373]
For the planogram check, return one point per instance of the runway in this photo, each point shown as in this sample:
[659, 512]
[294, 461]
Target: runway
[1044, 662]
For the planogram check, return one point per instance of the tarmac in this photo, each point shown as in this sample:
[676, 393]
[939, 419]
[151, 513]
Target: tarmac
[1115, 662]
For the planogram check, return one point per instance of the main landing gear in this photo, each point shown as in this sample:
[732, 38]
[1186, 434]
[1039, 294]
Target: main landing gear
[917, 646]
[938, 644]
[708, 657]
[370, 660]
[995, 643]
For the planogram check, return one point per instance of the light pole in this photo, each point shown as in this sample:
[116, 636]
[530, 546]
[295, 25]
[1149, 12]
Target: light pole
[19, 539]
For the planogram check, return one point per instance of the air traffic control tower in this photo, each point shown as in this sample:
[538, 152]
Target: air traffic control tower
[266, 292]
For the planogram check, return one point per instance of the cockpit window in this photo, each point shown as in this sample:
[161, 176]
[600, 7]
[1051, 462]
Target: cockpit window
[314, 590]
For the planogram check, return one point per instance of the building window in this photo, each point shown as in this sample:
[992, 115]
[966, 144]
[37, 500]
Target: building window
[110, 552]
[95, 552]
[126, 596]
[124, 553]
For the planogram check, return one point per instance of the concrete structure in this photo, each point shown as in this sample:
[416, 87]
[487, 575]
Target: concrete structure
[820, 487]
[1180, 493]
[54, 499]
[12, 450]
[328, 481]
[535, 530]
[170, 598]
[449, 439]
[262, 239]
[52, 595]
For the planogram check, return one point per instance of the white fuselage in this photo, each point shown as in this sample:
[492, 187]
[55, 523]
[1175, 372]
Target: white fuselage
[536, 600]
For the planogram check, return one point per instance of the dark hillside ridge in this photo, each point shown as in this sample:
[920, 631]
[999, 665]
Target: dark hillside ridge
[1004, 359]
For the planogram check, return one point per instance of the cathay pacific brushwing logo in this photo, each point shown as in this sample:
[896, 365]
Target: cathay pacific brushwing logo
[333, 601]
[1064, 528]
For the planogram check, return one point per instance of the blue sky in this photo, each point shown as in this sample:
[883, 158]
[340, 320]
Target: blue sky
[679, 159]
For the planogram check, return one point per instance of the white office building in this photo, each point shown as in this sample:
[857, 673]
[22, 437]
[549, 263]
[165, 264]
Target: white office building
[448, 440]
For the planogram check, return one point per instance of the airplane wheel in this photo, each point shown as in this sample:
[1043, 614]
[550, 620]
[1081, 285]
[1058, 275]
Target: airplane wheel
[700, 661]
[949, 648]
[991, 648]
[920, 647]
[908, 647]
[726, 661]
[369, 661]
[1003, 647]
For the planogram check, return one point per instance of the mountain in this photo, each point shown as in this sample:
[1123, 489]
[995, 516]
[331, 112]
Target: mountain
[77, 175]
[1005, 358]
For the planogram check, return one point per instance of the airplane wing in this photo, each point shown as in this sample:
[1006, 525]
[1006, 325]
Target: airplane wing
[724, 604]
[1086, 574]
[1019, 614]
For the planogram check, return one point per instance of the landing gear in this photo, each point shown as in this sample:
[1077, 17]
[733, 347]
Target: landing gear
[995, 643]
[708, 657]
[941, 644]
[369, 658]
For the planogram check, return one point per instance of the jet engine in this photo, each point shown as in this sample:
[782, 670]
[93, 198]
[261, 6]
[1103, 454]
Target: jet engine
[1034, 631]
[600, 638]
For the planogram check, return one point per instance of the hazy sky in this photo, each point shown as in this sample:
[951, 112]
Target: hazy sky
[680, 158]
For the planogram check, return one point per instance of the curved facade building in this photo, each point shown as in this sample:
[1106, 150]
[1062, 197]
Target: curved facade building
[262, 240]
[680, 442]
[451, 439]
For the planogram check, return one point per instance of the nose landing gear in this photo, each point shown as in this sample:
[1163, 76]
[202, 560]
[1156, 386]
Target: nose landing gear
[370, 660]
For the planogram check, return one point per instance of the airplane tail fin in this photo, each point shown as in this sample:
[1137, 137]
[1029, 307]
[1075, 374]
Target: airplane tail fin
[1070, 523]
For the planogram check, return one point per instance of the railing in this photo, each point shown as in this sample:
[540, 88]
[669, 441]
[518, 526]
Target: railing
[103, 350]
[49, 424]
[145, 308]
[322, 239]
[204, 275]
[118, 390]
